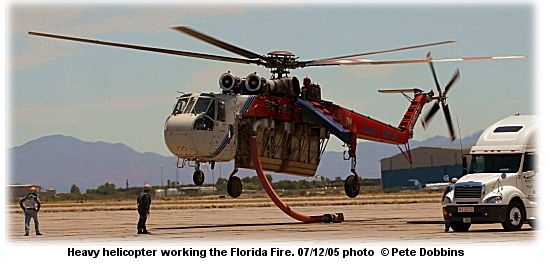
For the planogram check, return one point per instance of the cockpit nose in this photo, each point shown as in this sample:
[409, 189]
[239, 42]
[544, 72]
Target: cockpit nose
[177, 137]
[179, 122]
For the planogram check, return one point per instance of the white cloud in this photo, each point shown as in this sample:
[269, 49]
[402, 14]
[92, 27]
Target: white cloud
[511, 102]
[85, 20]
[42, 17]
[41, 52]
[90, 18]
[39, 114]
[370, 72]
[155, 18]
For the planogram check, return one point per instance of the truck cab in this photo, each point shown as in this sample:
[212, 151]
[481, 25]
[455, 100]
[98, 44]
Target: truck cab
[499, 186]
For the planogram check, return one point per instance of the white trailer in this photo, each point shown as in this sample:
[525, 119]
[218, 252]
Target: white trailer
[500, 184]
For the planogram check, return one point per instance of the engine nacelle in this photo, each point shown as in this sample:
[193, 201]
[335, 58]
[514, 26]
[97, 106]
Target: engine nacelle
[286, 87]
[283, 87]
[228, 81]
[254, 82]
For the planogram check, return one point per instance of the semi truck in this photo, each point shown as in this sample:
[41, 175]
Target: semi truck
[499, 186]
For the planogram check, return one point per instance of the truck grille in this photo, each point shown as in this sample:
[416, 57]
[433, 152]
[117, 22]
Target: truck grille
[468, 192]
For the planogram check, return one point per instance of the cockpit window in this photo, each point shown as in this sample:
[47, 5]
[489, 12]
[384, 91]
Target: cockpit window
[199, 105]
[203, 104]
[221, 111]
[190, 105]
[180, 106]
[204, 108]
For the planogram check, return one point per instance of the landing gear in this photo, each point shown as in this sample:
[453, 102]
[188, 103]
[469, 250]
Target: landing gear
[234, 186]
[198, 177]
[351, 186]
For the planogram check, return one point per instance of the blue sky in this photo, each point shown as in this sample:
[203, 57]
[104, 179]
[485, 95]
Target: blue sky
[100, 93]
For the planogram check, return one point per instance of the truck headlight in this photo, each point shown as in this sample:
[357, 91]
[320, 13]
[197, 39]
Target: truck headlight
[447, 200]
[494, 199]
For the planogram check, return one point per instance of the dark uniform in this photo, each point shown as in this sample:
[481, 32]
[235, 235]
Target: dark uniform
[143, 203]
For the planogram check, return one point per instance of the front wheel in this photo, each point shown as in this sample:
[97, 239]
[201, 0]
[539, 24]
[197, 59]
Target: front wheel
[234, 186]
[349, 186]
[460, 226]
[515, 216]
[198, 177]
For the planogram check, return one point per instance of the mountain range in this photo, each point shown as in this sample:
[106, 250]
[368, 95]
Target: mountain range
[58, 161]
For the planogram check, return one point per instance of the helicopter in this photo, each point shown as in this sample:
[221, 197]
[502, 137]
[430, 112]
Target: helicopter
[289, 123]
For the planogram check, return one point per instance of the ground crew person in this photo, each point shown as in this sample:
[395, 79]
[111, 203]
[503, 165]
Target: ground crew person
[448, 189]
[143, 203]
[30, 204]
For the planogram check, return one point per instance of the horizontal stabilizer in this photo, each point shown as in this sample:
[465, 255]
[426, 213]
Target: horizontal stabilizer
[397, 91]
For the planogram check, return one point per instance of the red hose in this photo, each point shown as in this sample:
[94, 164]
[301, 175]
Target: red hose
[285, 208]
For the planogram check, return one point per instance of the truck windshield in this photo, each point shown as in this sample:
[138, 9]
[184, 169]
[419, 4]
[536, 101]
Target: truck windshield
[495, 163]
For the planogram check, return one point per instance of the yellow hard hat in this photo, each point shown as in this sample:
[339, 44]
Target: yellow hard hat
[32, 189]
[146, 187]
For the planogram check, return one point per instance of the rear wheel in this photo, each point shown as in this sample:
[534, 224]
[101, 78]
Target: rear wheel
[234, 186]
[349, 187]
[198, 177]
[460, 226]
[515, 216]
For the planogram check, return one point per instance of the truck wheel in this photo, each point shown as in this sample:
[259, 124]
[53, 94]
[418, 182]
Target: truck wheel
[460, 226]
[515, 216]
[533, 224]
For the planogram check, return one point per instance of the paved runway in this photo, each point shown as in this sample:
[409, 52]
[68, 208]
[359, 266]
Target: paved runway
[371, 224]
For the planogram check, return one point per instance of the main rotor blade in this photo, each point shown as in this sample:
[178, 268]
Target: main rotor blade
[449, 122]
[150, 49]
[427, 119]
[219, 43]
[362, 61]
[429, 57]
[390, 50]
[451, 82]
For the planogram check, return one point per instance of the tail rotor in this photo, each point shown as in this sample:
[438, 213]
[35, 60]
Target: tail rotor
[441, 101]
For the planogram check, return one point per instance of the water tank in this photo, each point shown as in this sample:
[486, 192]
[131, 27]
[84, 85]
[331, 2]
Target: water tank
[172, 192]
[159, 193]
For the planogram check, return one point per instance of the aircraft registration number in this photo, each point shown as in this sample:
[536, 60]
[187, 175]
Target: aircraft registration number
[465, 209]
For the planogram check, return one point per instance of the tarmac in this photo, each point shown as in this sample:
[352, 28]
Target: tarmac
[370, 224]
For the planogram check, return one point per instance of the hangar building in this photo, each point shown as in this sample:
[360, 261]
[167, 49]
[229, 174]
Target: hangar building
[20, 190]
[429, 165]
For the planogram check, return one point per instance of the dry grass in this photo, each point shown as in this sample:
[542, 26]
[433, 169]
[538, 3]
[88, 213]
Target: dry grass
[246, 200]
